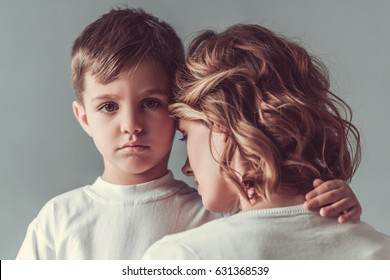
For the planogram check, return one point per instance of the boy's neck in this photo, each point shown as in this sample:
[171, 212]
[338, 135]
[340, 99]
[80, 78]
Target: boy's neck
[132, 179]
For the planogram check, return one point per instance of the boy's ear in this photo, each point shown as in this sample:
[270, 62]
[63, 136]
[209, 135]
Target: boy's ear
[81, 116]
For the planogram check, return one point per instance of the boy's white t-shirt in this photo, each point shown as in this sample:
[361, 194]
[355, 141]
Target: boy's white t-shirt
[107, 221]
[276, 233]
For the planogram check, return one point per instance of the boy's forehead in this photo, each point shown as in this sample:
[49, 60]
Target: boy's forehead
[146, 65]
[145, 68]
[148, 77]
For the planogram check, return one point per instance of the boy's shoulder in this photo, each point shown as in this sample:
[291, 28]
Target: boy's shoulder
[71, 199]
[70, 195]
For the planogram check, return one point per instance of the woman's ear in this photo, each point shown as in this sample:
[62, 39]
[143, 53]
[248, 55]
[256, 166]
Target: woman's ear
[81, 116]
[221, 129]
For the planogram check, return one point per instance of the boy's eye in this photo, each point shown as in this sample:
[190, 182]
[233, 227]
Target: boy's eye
[151, 104]
[108, 107]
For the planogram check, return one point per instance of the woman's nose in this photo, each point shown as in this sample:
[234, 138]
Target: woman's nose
[186, 169]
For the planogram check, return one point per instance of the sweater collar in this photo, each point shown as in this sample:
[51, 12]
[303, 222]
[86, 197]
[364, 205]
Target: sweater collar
[139, 193]
[281, 211]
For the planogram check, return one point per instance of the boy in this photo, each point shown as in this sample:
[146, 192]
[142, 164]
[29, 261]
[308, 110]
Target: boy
[123, 68]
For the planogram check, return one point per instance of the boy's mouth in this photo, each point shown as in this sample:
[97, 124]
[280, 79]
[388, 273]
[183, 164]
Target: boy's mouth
[133, 148]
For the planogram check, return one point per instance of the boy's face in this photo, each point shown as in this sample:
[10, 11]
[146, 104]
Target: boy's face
[129, 122]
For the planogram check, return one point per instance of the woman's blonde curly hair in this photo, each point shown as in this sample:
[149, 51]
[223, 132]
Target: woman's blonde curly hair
[274, 99]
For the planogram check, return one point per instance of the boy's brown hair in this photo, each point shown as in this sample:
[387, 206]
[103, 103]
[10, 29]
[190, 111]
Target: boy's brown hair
[118, 41]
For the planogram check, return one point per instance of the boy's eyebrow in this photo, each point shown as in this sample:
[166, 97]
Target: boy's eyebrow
[157, 91]
[104, 97]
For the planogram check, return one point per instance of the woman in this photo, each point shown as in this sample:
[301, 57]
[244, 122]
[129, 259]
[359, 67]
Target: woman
[261, 124]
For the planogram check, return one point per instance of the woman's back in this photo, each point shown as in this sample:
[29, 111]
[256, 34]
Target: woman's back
[275, 233]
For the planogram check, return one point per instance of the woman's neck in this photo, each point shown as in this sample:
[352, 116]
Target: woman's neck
[274, 200]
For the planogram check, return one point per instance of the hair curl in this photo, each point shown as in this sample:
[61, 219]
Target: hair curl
[274, 99]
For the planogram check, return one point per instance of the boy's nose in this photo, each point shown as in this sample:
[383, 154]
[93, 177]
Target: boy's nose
[186, 169]
[131, 123]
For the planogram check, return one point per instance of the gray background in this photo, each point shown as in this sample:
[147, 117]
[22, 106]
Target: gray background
[44, 152]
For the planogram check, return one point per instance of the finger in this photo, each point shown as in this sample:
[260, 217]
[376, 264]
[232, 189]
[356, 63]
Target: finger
[336, 209]
[313, 193]
[317, 182]
[352, 214]
[324, 199]
[325, 187]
